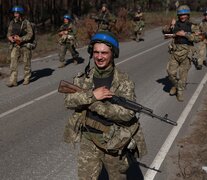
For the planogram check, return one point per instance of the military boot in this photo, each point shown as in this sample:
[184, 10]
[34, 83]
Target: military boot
[75, 61]
[173, 91]
[11, 84]
[26, 82]
[62, 64]
[199, 67]
[180, 96]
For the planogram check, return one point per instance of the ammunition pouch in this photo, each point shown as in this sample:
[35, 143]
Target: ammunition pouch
[96, 125]
[116, 137]
[67, 39]
[31, 46]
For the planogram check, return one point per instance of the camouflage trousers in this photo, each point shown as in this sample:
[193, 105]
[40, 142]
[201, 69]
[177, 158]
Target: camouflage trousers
[91, 160]
[177, 69]
[202, 52]
[139, 30]
[63, 50]
[139, 35]
[16, 53]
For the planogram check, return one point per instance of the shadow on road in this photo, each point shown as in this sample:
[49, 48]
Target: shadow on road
[39, 74]
[133, 173]
[166, 82]
[79, 61]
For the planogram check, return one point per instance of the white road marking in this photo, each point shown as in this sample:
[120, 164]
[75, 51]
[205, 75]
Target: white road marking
[27, 104]
[143, 52]
[52, 55]
[150, 174]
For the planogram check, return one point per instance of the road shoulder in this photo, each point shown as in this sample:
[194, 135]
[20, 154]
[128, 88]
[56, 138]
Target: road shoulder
[189, 153]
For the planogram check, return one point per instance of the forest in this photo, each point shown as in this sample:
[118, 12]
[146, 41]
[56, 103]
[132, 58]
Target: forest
[49, 13]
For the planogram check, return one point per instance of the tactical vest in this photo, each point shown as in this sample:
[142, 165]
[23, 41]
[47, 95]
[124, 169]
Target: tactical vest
[18, 28]
[66, 27]
[99, 82]
[185, 26]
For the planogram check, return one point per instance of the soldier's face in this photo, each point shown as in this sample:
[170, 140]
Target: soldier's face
[183, 17]
[102, 55]
[103, 9]
[66, 21]
[16, 15]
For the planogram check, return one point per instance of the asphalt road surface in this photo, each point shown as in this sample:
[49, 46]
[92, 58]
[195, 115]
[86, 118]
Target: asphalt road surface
[32, 117]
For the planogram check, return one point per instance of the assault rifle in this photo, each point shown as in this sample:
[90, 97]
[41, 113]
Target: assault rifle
[100, 20]
[67, 87]
[16, 39]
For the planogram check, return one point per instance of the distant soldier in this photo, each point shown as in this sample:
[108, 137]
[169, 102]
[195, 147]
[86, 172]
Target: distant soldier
[203, 43]
[105, 20]
[20, 35]
[67, 40]
[184, 33]
[139, 24]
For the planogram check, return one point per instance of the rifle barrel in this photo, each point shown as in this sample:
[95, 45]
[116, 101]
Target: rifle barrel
[140, 109]
[164, 118]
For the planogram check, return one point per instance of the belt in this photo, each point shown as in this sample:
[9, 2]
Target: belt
[95, 125]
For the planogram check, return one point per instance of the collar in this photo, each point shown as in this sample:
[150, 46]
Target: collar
[103, 73]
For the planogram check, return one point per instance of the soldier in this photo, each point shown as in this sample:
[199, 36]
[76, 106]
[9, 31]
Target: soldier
[20, 35]
[184, 34]
[105, 130]
[104, 19]
[67, 40]
[203, 43]
[138, 22]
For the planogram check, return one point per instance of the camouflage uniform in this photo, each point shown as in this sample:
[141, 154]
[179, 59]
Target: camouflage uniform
[67, 42]
[105, 20]
[139, 24]
[203, 44]
[181, 53]
[24, 30]
[92, 156]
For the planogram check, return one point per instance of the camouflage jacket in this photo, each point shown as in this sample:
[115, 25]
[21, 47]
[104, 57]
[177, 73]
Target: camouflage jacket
[181, 50]
[69, 33]
[80, 101]
[105, 21]
[21, 28]
[191, 35]
[203, 28]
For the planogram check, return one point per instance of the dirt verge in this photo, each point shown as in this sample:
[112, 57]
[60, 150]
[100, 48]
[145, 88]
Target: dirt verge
[191, 151]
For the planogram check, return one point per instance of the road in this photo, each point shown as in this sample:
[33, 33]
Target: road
[32, 117]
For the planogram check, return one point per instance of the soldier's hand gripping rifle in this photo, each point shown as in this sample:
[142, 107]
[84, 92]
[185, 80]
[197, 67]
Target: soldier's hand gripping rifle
[67, 87]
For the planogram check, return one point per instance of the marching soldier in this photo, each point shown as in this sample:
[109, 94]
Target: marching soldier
[139, 24]
[20, 35]
[67, 40]
[184, 33]
[104, 19]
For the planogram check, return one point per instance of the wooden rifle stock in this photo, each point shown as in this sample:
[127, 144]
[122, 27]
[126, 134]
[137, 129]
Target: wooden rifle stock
[18, 42]
[67, 87]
